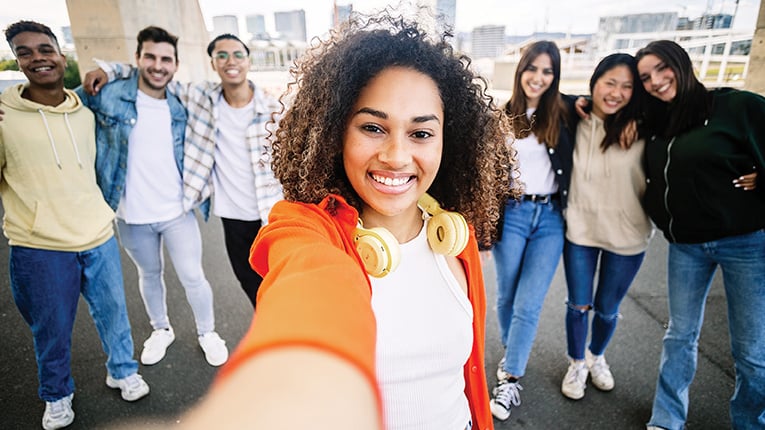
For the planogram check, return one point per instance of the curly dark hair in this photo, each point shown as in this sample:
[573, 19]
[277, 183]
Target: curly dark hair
[475, 176]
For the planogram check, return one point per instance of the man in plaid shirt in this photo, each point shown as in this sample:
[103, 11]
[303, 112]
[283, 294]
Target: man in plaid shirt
[227, 155]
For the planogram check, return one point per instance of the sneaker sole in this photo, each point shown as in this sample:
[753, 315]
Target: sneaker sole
[602, 388]
[112, 383]
[499, 411]
[59, 425]
[572, 396]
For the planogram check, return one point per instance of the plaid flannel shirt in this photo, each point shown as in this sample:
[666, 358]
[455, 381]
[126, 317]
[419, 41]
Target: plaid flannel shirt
[201, 102]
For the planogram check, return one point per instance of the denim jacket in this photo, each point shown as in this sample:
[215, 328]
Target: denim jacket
[115, 112]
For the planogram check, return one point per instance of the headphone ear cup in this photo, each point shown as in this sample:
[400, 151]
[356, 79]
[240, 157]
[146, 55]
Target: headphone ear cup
[448, 233]
[378, 249]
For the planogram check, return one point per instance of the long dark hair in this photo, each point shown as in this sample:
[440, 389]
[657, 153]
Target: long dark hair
[545, 122]
[614, 124]
[691, 105]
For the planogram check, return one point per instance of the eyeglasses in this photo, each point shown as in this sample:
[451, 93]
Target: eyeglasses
[223, 55]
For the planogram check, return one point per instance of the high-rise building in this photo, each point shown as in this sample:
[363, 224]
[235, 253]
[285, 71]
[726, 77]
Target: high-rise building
[341, 13]
[446, 11]
[66, 31]
[488, 41]
[256, 26]
[291, 25]
[708, 22]
[225, 24]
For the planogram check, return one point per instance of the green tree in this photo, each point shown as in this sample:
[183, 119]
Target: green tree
[8, 65]
[71, 74]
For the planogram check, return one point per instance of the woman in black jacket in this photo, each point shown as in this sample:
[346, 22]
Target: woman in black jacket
[703, 143]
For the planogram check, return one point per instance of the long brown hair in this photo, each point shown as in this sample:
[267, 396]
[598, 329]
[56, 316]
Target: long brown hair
[545, 122]
[692, 104]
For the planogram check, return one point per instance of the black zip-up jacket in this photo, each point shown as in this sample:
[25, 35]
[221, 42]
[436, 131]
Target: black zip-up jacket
[690, 194]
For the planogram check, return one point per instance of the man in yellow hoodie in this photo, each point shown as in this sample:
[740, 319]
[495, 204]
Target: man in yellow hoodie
[59, 228]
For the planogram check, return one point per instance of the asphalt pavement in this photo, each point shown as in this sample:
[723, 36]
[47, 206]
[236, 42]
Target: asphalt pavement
[183, 376]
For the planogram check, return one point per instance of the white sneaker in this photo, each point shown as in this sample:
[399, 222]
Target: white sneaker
[602, 378]
[506, 395]
[575, 381]
[58, 414]
[155, 347]
[132, 387]
[214, 347]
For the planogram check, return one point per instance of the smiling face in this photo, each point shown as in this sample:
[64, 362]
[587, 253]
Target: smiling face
[39, 59]
[156, 66]
[536, 79]
[393, 142]
[657, 77]
[612, 91]
[230, 60]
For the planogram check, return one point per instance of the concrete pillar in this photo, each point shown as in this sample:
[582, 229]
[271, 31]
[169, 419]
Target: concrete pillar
[107, 29]
[755, 78]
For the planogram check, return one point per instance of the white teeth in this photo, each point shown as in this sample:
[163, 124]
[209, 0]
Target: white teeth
[232, 72]
[391, 182]
[43, 69]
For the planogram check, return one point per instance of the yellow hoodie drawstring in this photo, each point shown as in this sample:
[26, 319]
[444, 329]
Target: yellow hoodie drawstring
[74, 141]
[53, 142]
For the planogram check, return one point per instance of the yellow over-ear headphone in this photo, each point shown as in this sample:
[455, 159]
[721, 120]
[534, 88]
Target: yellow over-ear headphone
[447, 234]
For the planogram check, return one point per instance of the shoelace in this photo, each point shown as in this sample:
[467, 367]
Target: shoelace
[579, 375]
[508, 393]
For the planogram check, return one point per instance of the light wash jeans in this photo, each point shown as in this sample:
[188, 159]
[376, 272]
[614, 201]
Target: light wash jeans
[143, 243]
[46, 287]
[691, 267]
[615, 275]
[526, 259]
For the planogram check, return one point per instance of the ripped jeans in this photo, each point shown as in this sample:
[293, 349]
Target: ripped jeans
[615, 275]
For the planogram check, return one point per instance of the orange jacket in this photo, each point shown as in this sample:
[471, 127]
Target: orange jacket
[316, 293]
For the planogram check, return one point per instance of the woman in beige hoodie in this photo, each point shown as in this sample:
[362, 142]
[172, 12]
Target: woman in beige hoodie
[607, 229]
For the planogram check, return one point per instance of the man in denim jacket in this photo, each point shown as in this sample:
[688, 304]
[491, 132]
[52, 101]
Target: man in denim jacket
[227, 155]
[145, 188]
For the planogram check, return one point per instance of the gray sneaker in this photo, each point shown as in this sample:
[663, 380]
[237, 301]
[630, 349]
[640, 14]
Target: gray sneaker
[132, 387]
[58, 414]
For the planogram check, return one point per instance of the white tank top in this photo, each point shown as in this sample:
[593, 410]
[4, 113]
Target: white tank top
[424, 338]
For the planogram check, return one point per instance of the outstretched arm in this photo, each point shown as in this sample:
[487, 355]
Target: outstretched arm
[265, 392]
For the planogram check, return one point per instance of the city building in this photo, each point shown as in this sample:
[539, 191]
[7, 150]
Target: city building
[446, 11]
[256, 26]
[225, 24]
[341, 13]
[291, 25]
[488, 41]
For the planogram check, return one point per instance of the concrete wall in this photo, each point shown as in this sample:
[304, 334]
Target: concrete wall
[755, 79]
[106, 29]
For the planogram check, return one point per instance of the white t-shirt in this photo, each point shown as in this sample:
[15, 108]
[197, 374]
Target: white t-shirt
[534, 164]
[233, 177]
[153, 185]
[424, 338]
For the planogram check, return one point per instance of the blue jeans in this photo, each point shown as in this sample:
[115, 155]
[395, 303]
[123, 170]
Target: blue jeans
[143, 243]
[46, 287]
[526, 259]
[615, 275]
[691, 267]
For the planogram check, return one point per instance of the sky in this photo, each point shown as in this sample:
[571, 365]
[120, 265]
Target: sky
[520, 17]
